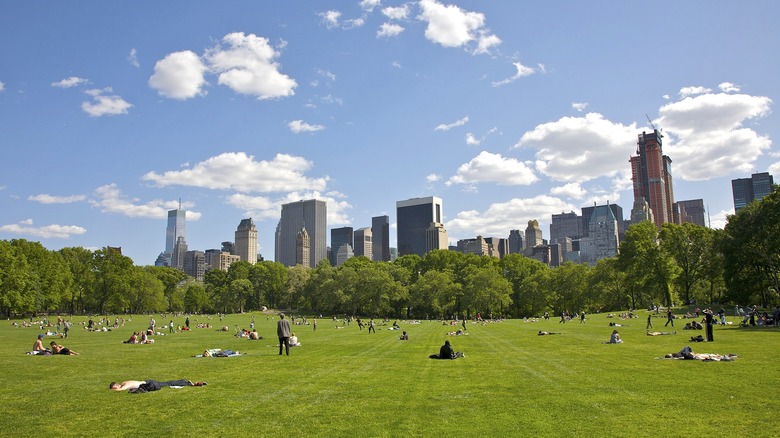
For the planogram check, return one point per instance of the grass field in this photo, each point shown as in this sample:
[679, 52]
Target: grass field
[344, 382]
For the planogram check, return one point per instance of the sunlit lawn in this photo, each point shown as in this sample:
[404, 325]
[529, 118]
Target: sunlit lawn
[346, 382]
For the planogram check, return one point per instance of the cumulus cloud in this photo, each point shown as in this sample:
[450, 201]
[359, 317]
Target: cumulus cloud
[298, 126]
[579, 106]
[471, 140]
[49, 199]
[332, 19]
[693, 91]
[248, 65]
[45, 232]
[433, 178]
[387, 30]
[105, 104]
[774, 169]
[2, 86]
[522, 71]
[447, 127]
[69, 82]
[109, 199]
[132, 58]
[493, 168]
[396, 13]
[396, 64]
[369, 5]
[728, 87]
[504, 216]
[180, 75]
[570, 190]
[578, 149]
[706, 137]
[240, 172]
[451, 26]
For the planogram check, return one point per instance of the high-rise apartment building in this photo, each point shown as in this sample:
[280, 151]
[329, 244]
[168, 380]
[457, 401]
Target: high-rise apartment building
[651, 172]
[436, 237]
[499, 247]
[380, 229]
[338, 238]
[302, 248]
[691, 211]
[516, 242]
[746, 190]
[602, 240]
[219, 259]
[565, 225]
[311, 214]
[533, 236]
[363, 242]
[245, 245]
[616, 210]
[415, 217]
[195, 264]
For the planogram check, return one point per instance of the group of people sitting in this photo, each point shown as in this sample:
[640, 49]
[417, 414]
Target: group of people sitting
[39, 349]
[139, 338]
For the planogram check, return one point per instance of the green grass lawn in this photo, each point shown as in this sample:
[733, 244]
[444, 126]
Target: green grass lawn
[344, 382]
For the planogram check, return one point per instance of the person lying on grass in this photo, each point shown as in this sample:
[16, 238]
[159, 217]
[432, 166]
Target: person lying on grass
[59, 349]
[688, 354]
[136, 386]
[446, 352]
[541, 333]
[649, 333]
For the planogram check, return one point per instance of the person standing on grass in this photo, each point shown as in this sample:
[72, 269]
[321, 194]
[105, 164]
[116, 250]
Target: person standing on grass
[709, 322]
[283, 332]
[669, 317]
[314, 323]
[582, 317]
[649, 322]
[371, 326]
[66, 328]
[187, 322]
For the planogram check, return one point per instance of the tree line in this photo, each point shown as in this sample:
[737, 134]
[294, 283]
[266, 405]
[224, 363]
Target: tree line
[678, 264]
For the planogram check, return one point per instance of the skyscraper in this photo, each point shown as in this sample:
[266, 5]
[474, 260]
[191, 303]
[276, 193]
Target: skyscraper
[516, 242]
[311, 214]
[414, 217]
[602, 240]
[533, 236]
[363, 242]
[245, 244]
[651, 172]
[302, 248]
[691, 211]
[177, 220]
[746, 190]
[380, 228]
[565, 225]
[338, 238]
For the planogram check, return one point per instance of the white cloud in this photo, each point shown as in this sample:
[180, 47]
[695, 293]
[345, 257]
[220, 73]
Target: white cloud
[248, 66]
[450, 26]
[49, 199]
[488, 167]
[719, 220]
[132, 58]
[728, 87]
[2, 86]
[369, 5]
[45, 232]
[447, 127]
[433, 178]
[396, 13]
[570, 190]
[179, 76]
[396, 64]
[692, 91]
[471, 140]
[326, 74]
[105, 105]
[110, 200]
[578, 149]
[774, 169]
[298, 126]
[522, 71]
[387, 30]
[240, 172]
[579, 106]
[499, 218]
[706, 138]
[69, 82]
[330, 18]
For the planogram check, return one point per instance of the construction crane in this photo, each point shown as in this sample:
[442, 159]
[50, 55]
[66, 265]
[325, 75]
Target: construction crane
[660, 131]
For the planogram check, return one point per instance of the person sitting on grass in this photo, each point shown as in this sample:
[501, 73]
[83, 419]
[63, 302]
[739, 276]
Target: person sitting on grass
[38, 345]
[649, 333]
[614, 338]
[136, 386]
[446, 352]
[59, 349]
[294, 341]
[254, 336]
[404, 337]
[133, 339]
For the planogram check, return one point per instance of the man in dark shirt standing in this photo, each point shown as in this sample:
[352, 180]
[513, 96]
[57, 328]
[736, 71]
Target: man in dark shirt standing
[283, 332]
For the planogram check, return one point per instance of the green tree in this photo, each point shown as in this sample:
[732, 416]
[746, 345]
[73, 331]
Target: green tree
[196, 300]
[650, 272]
[568, 288]
[485, 290]
[81, 263]
[297, 277]
[171, 278]
[433, 295]
[519, 270]
[686, 244]
[50, 278]
[112, 280]
[15, 281]
[146, 292]
[608, 286]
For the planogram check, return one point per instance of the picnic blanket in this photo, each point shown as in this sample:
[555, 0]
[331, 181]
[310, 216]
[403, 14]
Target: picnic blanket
[218, 352]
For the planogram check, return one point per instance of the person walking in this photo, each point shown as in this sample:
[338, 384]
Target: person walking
[669, 317]
[283, 332]
[708, 322]
[371, 326]
[582, 317]
[649, 321]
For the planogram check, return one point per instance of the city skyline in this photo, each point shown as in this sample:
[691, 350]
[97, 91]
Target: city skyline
[509, 112]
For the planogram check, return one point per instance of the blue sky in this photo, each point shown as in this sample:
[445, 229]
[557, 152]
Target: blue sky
[110, 112]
